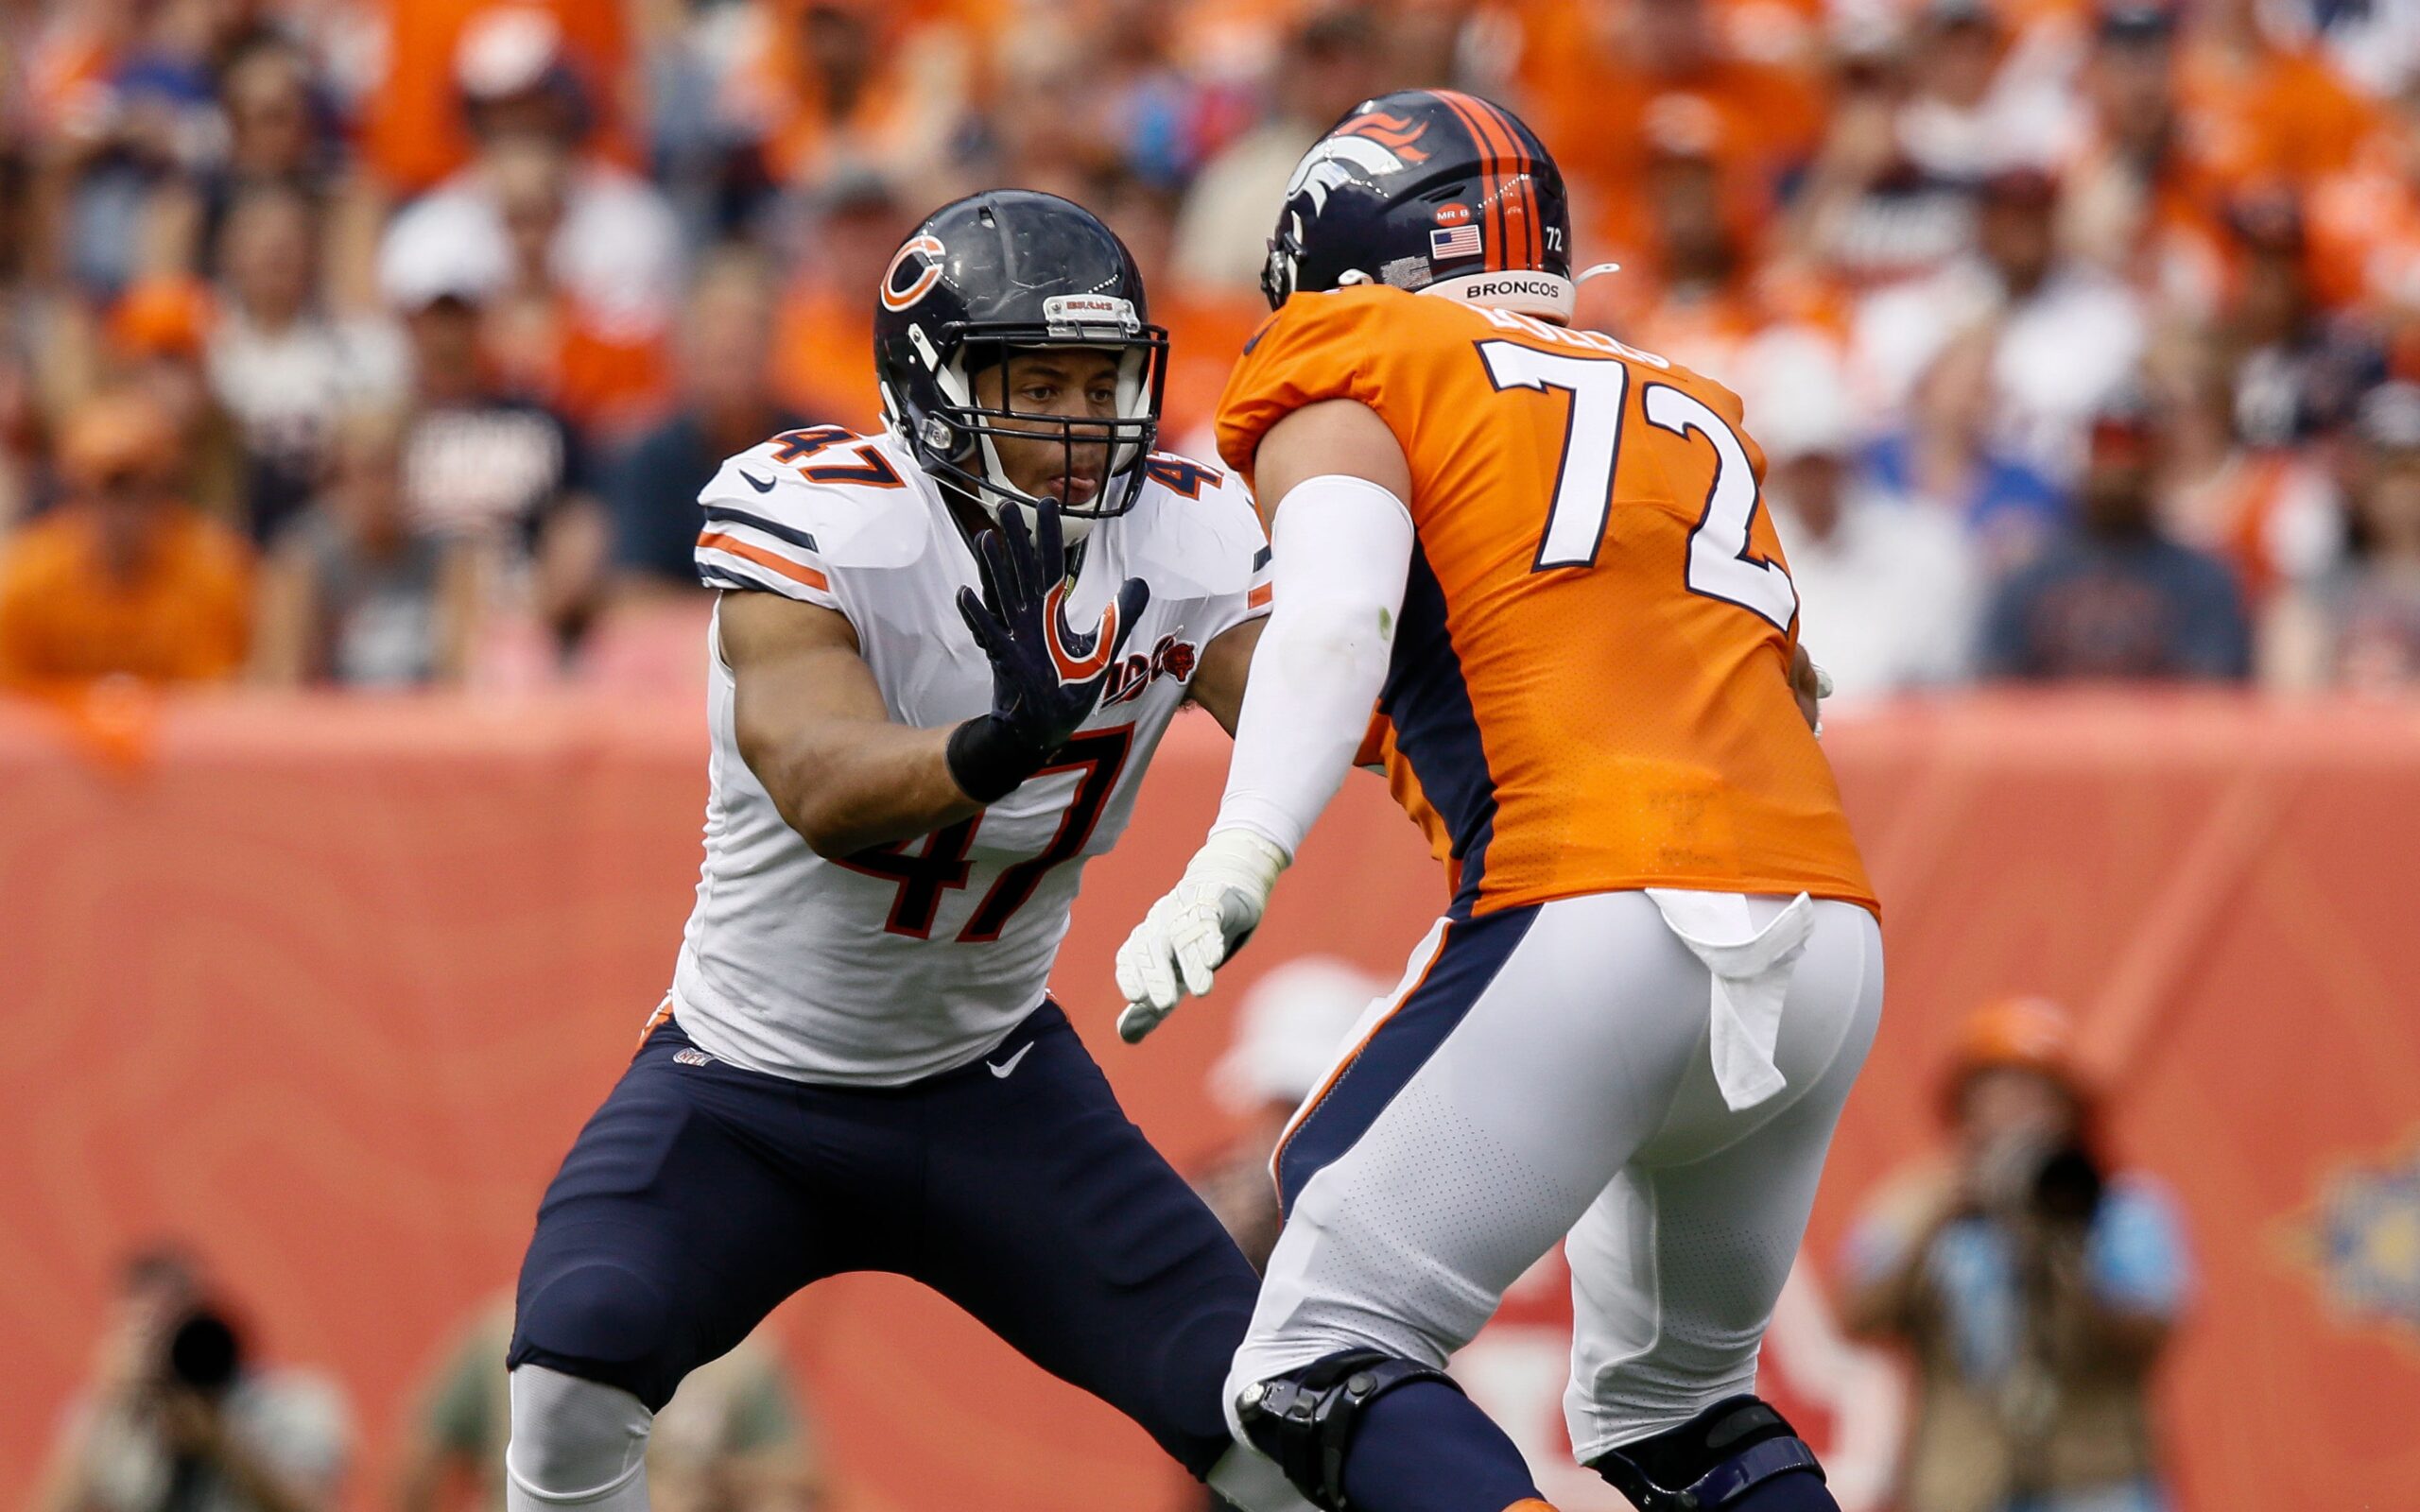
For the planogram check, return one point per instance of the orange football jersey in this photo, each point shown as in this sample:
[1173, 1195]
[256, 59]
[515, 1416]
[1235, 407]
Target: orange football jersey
[1590, 685]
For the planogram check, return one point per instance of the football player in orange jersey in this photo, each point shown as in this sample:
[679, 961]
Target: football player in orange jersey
[1543, 556]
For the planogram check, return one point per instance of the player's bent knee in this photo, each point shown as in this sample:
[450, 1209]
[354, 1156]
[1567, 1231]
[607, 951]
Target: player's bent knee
[1737, 1454]
[1305, 1419]
[575, 1442]
[601, 1322]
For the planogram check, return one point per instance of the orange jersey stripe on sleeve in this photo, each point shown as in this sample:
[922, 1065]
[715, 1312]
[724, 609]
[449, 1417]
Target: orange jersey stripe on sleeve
[774, 561]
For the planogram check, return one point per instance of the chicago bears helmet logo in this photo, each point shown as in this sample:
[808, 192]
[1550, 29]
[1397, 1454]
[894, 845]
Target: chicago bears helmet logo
[1374, 143]
[919, 279]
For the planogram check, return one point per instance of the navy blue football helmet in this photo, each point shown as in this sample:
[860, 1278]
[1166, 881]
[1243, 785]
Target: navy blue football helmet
[1013, 270]
[1427, 189]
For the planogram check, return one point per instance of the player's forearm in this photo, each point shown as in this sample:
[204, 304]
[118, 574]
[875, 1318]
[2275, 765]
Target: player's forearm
[1342, 551]
[863, 783]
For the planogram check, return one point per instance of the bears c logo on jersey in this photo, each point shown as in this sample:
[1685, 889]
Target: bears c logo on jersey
[1077, 656]
[897, 296]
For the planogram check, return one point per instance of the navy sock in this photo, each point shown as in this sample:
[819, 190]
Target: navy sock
[1426, 1447]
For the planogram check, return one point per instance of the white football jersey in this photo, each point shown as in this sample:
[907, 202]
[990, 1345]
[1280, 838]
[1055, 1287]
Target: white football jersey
[913, 958]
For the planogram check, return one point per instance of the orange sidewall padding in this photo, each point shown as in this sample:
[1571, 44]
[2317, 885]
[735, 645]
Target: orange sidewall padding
[329, 986]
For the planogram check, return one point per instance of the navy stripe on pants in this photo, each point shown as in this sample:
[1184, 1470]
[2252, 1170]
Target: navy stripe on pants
[1467, 961]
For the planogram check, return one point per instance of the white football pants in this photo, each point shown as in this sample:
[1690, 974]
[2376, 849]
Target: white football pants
[1552, 1071]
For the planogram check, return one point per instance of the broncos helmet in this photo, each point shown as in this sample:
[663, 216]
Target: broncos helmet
[1004, 270]
[1429, 190]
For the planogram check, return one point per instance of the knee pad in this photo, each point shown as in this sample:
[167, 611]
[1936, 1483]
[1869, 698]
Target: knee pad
[574, 1441]
[1711, 1461]
[1305, 1419]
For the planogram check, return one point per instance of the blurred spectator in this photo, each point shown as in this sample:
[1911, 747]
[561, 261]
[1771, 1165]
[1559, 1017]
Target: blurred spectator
[734, 1438]
[2146, 193]
[1944, 459]
[2268, 113]
[725, 408]
[503, 472]
[1983, 99]
[1329, 64]
[2360, 625]
[1887, 592]
[141, 112]
[2295, 375]
[179, 1417]
[1290, 1030]
[2364, 230]
[543, 223]
[2035, 1287]
[853, 85]
[2270, 511]
[1600, 72]
[404, 62]
[1868, 212]
[823, 332]
[354, 594]
[154, 340]
[275, 139]
[2121, 598]
[122, 575]
[281, 367]
[2062, 338]
[2005, 209]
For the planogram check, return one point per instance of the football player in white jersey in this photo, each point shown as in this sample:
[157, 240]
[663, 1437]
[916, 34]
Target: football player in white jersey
[942, 658]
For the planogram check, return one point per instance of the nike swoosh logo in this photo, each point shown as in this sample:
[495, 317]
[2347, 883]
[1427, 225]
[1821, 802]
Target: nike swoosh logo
[760, 485]
[1002, 1068]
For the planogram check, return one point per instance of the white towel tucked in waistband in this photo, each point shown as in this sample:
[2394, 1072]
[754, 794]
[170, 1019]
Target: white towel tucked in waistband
[1750, 970]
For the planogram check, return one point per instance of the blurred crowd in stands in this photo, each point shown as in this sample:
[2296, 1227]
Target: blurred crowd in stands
[386, 342]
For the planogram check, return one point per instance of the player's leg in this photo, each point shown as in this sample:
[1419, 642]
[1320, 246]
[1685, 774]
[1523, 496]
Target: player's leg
[1531, 1053]
[1676, 1267]
[671, 1231]
[1054, 1223]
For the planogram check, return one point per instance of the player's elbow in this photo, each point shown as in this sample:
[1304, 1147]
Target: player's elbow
[827, 827]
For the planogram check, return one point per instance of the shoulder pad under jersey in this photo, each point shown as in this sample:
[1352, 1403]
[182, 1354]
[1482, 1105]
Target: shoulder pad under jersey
[1194, 533]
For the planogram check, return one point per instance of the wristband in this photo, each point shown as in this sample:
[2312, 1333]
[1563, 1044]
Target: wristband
[988, 759]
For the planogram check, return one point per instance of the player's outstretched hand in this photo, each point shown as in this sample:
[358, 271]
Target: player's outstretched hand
[1046, 675]
[1188, 935]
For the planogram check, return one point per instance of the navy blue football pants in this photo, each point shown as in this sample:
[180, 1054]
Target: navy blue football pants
[700, 1196]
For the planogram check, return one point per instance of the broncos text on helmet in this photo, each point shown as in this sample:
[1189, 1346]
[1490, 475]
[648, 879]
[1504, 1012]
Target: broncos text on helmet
[1432, 191]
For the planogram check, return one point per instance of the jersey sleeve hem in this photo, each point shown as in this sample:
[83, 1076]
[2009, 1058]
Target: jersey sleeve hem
[741, 551]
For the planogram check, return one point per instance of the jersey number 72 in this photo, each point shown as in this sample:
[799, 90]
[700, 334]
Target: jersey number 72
[1720, 564]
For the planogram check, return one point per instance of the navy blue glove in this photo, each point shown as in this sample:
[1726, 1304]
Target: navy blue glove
[1046, 675]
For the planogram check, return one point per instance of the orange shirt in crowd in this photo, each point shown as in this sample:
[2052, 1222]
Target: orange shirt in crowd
[1205, 335]
[2284, 116]
[823, 360]
[2363, 231]
[1597, 113]
[412, 130]
[185, 616]
[1598, 603]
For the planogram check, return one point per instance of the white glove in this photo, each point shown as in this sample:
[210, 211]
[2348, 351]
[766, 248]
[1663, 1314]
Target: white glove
[1190, 934]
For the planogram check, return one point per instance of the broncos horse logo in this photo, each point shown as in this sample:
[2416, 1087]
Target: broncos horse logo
[1373, 142]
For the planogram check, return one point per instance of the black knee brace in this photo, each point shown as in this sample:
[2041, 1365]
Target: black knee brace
[1304, 1419]
[1710, 1461]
